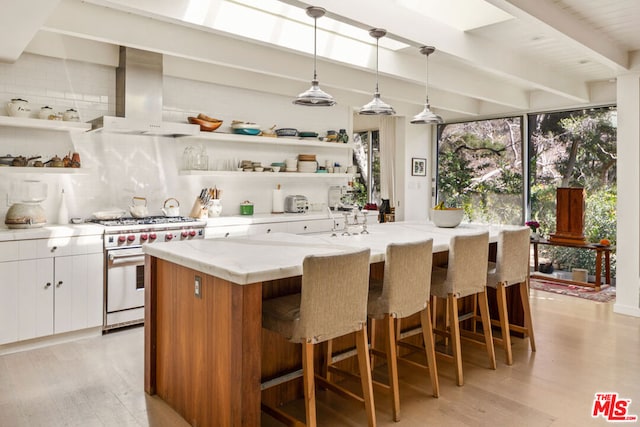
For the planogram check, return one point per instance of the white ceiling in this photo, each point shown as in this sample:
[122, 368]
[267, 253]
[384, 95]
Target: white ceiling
[493, 56]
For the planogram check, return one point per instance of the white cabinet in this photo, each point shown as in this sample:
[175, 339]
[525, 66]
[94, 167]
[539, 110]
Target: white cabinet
[295, 227]
[35, 298]
[226, 231]
[9, 271]
[273, 227]
[77, 299]
[310, 226]
[50, 286]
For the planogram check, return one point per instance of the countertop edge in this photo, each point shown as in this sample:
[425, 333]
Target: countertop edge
[51, 231]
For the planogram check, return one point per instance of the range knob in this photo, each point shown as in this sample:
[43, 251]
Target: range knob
[144, 237]
[152, 236]
[192, 233]
[131, 237]
[122, 239]
[184, 234]
[168, 236]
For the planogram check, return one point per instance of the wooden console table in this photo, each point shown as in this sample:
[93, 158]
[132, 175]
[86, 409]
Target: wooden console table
[600, 251]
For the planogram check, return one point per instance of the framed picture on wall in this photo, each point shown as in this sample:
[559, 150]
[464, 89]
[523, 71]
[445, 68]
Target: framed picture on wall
[418, 167]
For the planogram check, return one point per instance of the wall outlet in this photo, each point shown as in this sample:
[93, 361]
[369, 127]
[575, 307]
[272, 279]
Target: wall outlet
[197, 285]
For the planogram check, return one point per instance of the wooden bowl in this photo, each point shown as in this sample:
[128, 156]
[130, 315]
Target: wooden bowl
[205, 126]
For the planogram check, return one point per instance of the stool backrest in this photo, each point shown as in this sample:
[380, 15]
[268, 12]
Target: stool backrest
[512, 259]
[467, 269]
[407, 278]
[334, 296]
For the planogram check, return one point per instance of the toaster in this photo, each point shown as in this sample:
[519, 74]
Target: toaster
[296, 204]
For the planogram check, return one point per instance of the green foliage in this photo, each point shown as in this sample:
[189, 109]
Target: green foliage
[480, 169]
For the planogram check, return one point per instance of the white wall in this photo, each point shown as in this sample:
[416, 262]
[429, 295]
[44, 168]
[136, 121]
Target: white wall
[628, 211]
[418, 188]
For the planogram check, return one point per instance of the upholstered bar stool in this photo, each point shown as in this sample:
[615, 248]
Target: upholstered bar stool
[403, 292]
[465, 275]
[511, 268]
[332, 303]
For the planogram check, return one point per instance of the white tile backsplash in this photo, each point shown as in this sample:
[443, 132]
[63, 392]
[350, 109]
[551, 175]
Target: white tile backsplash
[118, 167]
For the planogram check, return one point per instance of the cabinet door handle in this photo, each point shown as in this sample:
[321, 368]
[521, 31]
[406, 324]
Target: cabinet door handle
[47, 285]
[305, 227]
[54, 248]
[268, 230]
[226, 235]
[59, 284]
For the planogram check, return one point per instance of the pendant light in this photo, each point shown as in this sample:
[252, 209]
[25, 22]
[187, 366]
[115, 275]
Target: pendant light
[314, 96]
[427, 117]
[377, 106]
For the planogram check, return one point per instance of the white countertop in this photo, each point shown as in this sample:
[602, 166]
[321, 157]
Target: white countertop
[71, 230]
[257, 258]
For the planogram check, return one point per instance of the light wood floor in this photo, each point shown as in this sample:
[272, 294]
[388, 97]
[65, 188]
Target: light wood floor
[583, 348]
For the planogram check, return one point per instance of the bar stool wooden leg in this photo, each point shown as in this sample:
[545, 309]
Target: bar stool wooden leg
[454, 328]
[427, 333]
[526, 307]
[372, 337]
[392, 366]
[504, 322]
[326, 372]
[434, 310]
[309, 384]
[362, 347]
[486, 326]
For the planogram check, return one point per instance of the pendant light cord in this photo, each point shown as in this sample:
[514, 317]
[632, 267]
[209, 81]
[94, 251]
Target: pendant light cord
[427, 87]
[315, 44]
[377, 61]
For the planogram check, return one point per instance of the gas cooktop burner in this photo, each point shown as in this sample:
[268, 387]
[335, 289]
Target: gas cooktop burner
[143, 221]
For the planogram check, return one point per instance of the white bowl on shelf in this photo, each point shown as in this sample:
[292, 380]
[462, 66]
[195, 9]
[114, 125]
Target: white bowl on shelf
[447, 218]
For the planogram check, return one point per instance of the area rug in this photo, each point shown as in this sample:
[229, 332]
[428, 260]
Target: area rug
[605, 294]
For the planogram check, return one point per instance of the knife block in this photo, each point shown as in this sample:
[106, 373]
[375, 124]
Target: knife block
[199, 210]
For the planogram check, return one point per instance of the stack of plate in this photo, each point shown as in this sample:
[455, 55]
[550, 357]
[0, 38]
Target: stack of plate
[312, 135]
[307, 167]
[307, 163]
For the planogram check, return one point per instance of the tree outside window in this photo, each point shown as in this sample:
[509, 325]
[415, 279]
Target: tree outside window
[480, 169]
[575, 149]
[366, 155]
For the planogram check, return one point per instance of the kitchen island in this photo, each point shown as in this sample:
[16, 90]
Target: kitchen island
[204, 343]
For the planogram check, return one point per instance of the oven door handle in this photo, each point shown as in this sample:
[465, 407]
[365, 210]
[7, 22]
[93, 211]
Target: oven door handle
[126, 258]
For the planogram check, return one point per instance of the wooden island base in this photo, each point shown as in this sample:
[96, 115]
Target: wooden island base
[202, 355]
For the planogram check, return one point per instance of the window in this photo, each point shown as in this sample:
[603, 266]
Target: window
[574, 149]
[366, 155]
[480, 169]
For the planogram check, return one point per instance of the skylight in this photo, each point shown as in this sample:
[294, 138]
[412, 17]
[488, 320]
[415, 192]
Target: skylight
[464, 15]
[278, 23]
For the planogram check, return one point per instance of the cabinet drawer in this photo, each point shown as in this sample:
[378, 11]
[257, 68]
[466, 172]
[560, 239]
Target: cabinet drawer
[18, 249]
[226, 231]
[64, 246]
[276, 227]
[311, 226]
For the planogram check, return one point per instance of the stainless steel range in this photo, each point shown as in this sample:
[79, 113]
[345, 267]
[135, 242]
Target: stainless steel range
[124, 261]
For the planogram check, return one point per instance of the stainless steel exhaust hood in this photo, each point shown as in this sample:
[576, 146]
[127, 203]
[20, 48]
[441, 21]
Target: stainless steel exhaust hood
[139, 98]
